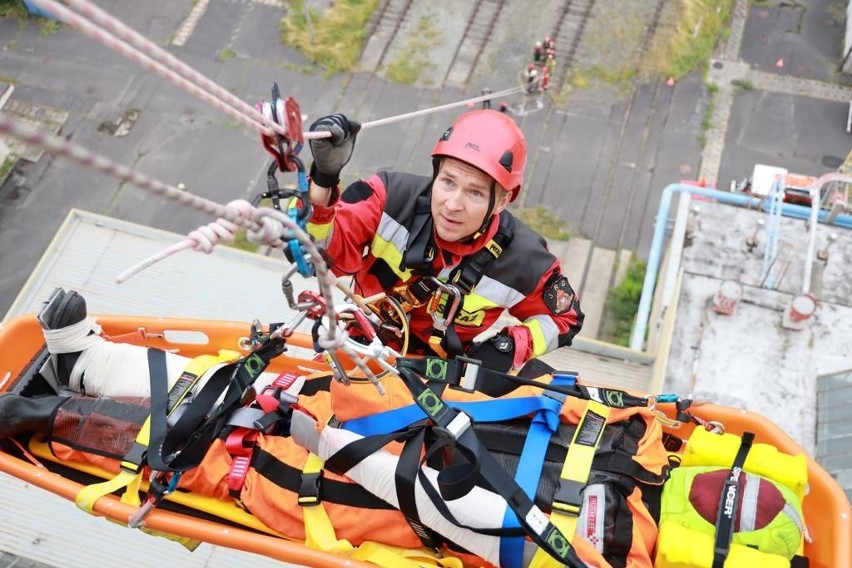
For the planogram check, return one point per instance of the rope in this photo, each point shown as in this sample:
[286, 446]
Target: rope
[117, 36]
[106, 38]
[258, 222]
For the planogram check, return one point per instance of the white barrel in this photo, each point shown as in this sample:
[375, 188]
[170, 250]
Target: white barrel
[729, 293]
[802, 307]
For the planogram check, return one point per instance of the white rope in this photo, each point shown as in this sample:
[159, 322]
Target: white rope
[117, 36]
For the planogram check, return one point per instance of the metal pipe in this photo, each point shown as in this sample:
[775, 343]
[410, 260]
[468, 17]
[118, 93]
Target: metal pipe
[813, 220]
[637, 337]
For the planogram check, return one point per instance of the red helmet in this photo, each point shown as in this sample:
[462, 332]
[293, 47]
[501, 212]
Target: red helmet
[490, 141]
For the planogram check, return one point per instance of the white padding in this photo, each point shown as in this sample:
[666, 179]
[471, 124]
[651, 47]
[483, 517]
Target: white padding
[479, 508]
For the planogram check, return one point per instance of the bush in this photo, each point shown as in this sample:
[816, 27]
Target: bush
[544, 222]
[623, 303]
[338, 33]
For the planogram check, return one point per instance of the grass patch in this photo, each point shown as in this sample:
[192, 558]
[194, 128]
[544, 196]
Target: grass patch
[544, 222]
[6, 167]
[338, 33]
[414, 57]
[744, 85]
[686, 37]
[623, 303]
[49, 27]
[241, 242]
[707, 121]
[13, 9]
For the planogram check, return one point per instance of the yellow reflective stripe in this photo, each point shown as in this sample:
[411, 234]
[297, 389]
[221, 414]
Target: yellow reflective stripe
[539, 340]
[319, 532]
[474, 302]
[576, 467]
[318, 231]
[387, 251]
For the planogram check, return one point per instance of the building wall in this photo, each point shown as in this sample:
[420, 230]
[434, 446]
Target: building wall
[747, 359]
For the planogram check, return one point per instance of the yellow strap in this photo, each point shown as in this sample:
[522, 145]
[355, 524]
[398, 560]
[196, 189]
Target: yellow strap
[130, 476]
[393, 557]
[88, 496]
[577, 466]
[319, 532]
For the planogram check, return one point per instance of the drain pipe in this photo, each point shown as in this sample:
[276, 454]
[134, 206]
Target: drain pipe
[813, 219]
[637, 337]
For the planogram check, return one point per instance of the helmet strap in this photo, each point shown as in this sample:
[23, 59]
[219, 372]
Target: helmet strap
[492, 199]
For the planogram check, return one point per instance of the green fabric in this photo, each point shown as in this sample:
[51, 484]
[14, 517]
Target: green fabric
[782, 536]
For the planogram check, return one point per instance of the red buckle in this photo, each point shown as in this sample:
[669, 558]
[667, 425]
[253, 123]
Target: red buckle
[240, 445]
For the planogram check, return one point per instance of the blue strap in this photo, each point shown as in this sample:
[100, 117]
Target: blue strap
[529, 471]
[480, 411]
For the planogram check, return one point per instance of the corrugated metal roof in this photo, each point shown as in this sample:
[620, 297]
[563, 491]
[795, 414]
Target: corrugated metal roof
[90, 250]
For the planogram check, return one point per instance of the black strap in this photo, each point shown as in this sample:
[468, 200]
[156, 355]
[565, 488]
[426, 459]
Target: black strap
[530, 517]
[420, 249]
[728, 503]
[183, 446]
[471, 269]
[452, 371]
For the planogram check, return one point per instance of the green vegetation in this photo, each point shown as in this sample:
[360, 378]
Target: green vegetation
[49, 27]
[414, 57]
[334, 38]
[241, 242]
[13, 9]
[686, 37]
[544, 222]
[706, 121]
[744, 85]
[623, 303]
[6, 167]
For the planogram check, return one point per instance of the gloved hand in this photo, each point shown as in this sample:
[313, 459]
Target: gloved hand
[206, 237]
[332, 153]
[497, 352]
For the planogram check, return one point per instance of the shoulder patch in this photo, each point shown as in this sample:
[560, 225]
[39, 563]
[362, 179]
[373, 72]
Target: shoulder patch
[559, 296]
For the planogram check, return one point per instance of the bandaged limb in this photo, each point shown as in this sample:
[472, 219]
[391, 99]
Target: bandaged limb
[479, 508]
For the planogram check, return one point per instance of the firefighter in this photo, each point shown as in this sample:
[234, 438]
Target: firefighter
[405, 234]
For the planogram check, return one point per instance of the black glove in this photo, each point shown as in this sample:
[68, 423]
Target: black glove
[332, 153]
[497, 352]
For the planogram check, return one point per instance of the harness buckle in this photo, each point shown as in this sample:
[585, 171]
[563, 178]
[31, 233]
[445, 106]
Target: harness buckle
[568, 497]
[309, 489]
[467, 381]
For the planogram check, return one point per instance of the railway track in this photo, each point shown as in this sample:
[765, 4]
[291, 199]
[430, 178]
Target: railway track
[621, 218]
[569, 27]
[382, 30]
[477, 34]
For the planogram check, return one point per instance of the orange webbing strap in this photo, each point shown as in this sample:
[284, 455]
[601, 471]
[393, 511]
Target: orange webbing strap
[568, 499]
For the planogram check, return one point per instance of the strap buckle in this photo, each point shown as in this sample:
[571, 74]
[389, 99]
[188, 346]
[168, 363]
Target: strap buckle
[470, 374]
[309, 489]
[568, 497]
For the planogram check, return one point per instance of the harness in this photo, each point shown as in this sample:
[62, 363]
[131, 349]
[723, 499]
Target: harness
[443, 299]
[438, 425]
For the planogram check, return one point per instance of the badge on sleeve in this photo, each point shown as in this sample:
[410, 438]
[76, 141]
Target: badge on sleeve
[559, 297]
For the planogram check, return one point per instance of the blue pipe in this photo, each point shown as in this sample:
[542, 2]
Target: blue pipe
[637, 337]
